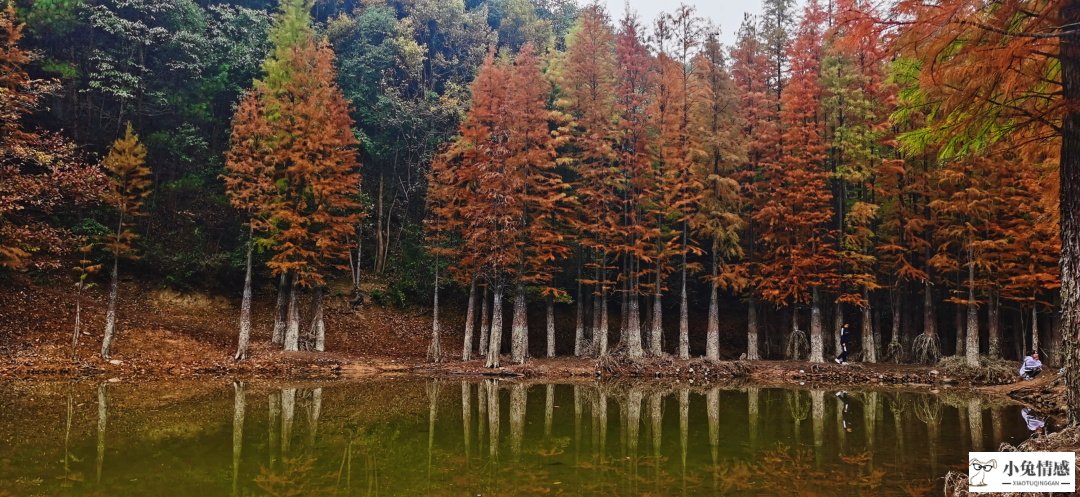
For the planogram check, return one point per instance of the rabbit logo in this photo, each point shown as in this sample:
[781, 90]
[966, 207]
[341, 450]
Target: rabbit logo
[978, 471]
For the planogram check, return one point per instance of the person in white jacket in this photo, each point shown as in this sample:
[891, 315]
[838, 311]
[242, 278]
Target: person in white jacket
[1031, 367]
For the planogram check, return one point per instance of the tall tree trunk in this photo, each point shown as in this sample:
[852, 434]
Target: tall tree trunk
[485, 323]
[281, 310]
[245, 305]
[712, 328]
[318, 324]
[684, 313]
[78, 320]
[519, 331]
[596, 306]
[292, 325]
[434, 353]
[380, 238]
[656, 335]
[972, 355]
[994, 325]
[869, 344]
[470, 322]
[110, 315]
[958, 319]
[495, 336]
[550, 326]
[838, 322]
[632, 337]
[602, 333]
[752, 347]
[579, 319]
[816, 347]
[896, 348]
[1034, 327]
[929, 316]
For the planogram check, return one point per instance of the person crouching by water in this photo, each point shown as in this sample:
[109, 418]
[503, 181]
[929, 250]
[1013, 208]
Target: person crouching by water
[845, 337]
[1031, 367]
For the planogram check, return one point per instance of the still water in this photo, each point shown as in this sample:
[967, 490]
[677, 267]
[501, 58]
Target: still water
[492, 438]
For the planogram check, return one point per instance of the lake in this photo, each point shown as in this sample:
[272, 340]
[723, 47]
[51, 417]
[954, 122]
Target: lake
[412, 437]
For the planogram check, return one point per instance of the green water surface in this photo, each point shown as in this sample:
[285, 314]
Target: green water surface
[414, 437]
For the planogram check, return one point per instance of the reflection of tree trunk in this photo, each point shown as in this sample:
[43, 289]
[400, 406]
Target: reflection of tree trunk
[549, 409]
[752, 394]
[633, 434]
[481, 413]
[466, 418]
[870, 415]
[433, 413]
[274, 414]
[656, 421]
[493, 419]
[470, 322]
[314, 411]
[975, 417]
[518, 399]
[684, 429]
[997, 423]
[600, 425]
[965, 425]
[67, 432]
[817, 403]
[898, 427]
[577, 426]
[288, 411]
[238, 434]
[712, 403]
[103, 415]
[633, 421]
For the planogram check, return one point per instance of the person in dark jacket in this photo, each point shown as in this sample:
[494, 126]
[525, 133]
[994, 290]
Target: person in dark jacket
[845, 339]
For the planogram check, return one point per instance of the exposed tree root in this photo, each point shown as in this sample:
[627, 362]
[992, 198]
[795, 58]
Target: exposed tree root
[798, 346]
[926, 349]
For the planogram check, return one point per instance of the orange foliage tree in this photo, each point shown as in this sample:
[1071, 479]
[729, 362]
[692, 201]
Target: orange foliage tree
[129, 187]
[799, 260]
[41, 174]
[309, 155]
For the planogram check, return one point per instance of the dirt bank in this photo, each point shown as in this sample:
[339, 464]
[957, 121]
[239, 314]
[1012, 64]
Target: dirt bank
[164, 334]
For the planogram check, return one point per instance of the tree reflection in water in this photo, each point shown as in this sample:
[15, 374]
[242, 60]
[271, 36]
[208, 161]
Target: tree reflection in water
[405, 438]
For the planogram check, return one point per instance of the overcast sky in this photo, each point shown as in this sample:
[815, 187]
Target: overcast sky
[728, 14]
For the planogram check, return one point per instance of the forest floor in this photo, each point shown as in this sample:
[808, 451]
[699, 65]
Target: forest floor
[165, 334]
